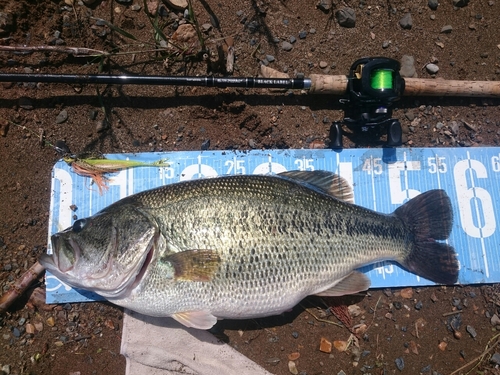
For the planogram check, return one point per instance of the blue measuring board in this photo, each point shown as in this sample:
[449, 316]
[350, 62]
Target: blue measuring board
[382, 179]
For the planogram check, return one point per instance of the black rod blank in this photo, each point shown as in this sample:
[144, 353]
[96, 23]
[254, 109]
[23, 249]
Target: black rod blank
[205, 81]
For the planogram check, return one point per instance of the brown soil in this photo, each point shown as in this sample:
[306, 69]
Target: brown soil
[85, 338]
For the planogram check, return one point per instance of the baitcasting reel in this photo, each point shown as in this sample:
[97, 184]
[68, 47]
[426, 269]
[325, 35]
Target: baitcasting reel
[373, 85]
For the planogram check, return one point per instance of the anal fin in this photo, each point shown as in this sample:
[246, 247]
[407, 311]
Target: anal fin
[352, 283]
[200, 319]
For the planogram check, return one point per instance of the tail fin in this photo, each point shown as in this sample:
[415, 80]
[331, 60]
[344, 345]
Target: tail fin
[429, 217]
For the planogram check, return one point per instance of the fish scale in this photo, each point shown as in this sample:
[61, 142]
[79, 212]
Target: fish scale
[250, 246]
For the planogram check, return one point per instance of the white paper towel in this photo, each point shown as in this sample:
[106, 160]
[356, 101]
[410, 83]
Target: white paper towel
[161, 346]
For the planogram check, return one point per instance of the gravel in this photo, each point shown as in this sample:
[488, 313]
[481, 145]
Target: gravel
[406, 22]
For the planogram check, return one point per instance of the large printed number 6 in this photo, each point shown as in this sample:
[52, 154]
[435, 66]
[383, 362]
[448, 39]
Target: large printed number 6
[474, 197]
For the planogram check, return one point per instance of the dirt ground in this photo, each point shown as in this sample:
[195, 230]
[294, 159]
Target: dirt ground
[401, 335]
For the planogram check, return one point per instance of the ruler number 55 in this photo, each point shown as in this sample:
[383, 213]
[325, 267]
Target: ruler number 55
[437, 164]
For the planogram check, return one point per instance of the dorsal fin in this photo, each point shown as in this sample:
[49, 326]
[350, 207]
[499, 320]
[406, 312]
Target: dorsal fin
[328, 182]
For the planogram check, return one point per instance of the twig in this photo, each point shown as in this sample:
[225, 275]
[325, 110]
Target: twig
[451, 313]
[322, 320]
[20, 286]
[480, 357]
[76, 51]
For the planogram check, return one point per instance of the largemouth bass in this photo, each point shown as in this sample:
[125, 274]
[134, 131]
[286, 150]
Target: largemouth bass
[247, 246]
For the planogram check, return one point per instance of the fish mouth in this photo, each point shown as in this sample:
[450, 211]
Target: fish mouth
[61, 262]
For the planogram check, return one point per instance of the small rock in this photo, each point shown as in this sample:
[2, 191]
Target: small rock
[406, 22]
[324, 5]
[354, 310]
[495, 358]
[30, 328]
[446, 29]
[16, 332]
[340, 345]
[442, 345]
[325, 346]
[346, 17]
[426, 369]
[323, 64]
[471, 331]
[407, 293]
[286, 46]
[295, 334]
[400, 363]
[386, 44]
[292, 367]
[408, 67]
[460, 3]
[410, 115]
[302, 34]
[206, 27]
[433, 4]
[455, 128]
[270, 58]
[273, 361]
[418, 305]
[432, 68]
[495, 320]
[440, 125]
[62, 117]
[293, 356]
[251, 143]
[177, 4]
[51, 322]
[6, 369]
[205, 145]
[292, 39]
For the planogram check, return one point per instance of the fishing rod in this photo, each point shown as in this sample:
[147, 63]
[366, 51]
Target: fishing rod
[205, 81]
[369, 90]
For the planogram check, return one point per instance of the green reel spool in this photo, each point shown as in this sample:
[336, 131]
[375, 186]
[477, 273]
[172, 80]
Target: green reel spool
[382, 79]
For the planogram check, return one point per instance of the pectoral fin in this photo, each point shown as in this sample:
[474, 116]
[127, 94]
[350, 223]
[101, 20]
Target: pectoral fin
[194, 265]
[196, 319]
[353, 283]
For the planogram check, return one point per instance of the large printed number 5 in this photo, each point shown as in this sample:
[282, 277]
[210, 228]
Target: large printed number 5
[398, 194]
[475, 206]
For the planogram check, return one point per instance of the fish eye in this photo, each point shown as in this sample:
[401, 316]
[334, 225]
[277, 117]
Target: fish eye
[79, 225]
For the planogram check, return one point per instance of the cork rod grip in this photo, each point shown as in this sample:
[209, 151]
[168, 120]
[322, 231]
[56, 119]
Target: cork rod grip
[337, 85]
